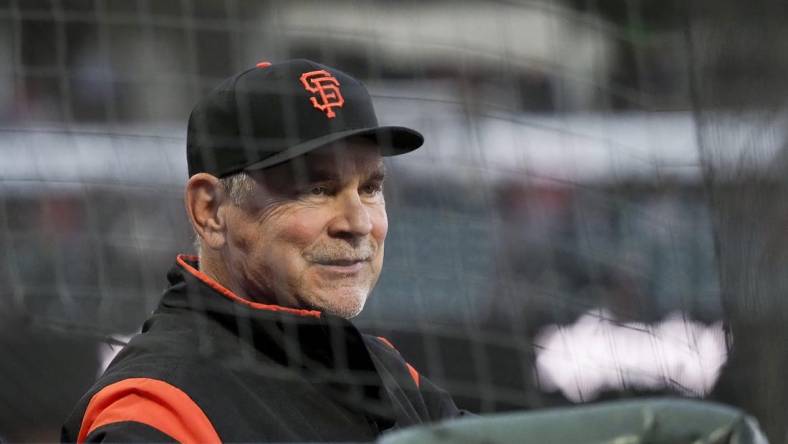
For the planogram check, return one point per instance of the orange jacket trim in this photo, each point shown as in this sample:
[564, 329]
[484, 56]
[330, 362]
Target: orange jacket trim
[414, 374]
[182, 258]
[387, 342]
[151, 402]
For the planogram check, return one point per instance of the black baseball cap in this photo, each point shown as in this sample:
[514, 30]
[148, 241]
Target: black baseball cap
[271, 113]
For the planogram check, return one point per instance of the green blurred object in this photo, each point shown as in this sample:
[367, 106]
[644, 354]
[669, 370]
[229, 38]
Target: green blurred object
[652, 421]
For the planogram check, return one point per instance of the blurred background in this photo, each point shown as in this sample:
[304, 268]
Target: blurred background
[600, 210]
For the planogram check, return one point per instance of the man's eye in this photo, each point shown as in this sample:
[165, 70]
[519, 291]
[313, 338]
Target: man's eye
[318, 190]
[373, 188]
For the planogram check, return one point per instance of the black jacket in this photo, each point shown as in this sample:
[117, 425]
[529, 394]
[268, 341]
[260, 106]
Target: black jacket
[210, 366]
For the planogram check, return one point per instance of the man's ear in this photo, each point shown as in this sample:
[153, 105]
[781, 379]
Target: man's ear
[203, 198]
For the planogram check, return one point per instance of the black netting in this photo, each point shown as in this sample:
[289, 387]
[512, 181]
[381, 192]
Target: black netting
[598, 212]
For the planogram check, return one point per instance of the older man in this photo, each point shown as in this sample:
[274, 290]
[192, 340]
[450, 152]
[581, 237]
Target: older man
[251, 342]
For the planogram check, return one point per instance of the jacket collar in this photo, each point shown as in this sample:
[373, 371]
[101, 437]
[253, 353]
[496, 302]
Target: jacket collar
[190, 265]
[324, 348]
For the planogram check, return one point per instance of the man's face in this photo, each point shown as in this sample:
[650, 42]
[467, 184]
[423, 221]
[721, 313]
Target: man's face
[312, 234]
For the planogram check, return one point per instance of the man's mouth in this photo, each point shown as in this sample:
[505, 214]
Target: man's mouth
[340, 262]
[342, 266]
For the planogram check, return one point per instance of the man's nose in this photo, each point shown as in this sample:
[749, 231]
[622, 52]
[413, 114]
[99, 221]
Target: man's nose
[352, 219]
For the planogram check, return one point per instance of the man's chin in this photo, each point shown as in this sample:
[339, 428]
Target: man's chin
[345, 305]
[347, 312]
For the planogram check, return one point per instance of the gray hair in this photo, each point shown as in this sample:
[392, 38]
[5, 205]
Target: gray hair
[238, 188]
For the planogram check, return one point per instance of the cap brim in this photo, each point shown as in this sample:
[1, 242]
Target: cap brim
[392, 140]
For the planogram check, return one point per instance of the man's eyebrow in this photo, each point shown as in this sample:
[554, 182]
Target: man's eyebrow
[320, 174]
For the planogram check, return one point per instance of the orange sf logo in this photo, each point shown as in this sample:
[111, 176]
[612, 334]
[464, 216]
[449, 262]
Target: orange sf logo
[327, 86]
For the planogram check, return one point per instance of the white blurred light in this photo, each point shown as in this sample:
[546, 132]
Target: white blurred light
[107, 352]
[597, 353]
